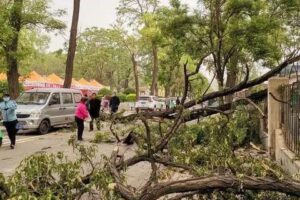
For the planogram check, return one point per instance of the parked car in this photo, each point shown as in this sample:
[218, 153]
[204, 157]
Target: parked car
[170, 102]
[44, 108]
[150, 103]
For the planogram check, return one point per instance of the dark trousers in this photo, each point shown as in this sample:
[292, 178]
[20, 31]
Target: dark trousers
[11, 131]
[80, 127]
[114, 109]
[97, 120]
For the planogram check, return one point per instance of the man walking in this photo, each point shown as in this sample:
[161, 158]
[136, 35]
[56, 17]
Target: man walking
[8, 109]
[114, 103]
[94, 106]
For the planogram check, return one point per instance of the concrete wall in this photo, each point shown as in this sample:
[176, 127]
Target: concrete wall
[286, 158]
[274, 110]
[276, 143]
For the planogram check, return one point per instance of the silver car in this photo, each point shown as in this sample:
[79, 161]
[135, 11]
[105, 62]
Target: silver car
[43, 108]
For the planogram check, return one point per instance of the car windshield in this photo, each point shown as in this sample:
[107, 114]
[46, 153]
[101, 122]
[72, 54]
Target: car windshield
[36, 98]
[144, 99]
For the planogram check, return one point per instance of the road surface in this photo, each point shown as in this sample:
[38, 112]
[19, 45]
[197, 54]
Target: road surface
[57, 141]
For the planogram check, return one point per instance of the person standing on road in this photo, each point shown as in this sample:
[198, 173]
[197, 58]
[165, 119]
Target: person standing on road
[94, 106]
[114, 103]
[80, 115]
[8, 109]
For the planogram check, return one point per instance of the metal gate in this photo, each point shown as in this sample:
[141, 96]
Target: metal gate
[291, 116]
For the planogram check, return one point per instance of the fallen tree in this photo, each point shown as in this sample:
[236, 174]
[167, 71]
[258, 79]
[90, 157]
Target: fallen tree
[204, 185]
[210, 166]
[196, 185]
[246, 83]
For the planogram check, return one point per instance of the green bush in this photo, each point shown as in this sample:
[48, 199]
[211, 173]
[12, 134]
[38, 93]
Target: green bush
[4, 88]
[123, 97]
[104, 91]
[131, 98]
[101, 137]
[129, 91]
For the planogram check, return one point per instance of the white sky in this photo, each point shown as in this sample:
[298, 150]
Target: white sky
[99, 13]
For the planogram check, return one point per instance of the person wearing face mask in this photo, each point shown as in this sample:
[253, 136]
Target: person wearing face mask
[8, 109]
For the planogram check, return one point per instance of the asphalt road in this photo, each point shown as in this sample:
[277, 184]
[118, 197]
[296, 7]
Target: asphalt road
[57, 141]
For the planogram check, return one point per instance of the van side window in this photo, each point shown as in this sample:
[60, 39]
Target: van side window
[77, 97]
[67, 98]
[55, 99]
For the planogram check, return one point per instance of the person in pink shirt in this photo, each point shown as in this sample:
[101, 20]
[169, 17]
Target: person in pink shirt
[80, 115]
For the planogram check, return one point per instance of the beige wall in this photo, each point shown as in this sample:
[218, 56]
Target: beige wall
[274, 111]
[276, 144]
[286, 158]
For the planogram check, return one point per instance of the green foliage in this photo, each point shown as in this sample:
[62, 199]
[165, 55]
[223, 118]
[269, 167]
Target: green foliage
[122, 97]
[101, 54]
[214, 141]
[101, 137]
[104, 91]
[36, 14]
[129, 91]
[54, 176]
[4, 88]
[45, 63]
[131, 98]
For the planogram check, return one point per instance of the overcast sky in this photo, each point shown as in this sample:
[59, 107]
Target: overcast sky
[99, 13]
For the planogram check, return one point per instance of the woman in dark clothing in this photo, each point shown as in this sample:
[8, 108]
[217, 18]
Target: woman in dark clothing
[114, 103]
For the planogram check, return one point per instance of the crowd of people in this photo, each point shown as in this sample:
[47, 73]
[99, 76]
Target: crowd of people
[89, 109]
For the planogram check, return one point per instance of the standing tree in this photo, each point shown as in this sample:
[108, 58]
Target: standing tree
[239, 33]
[142, 13]
[72, 45]
[131, 44]
[18, 16]
[102, 55]
[15, 22]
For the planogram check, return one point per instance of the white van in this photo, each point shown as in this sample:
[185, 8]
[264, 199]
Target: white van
[43, 108]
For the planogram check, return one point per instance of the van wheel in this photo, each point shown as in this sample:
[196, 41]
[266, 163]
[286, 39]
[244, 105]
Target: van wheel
[44, 127]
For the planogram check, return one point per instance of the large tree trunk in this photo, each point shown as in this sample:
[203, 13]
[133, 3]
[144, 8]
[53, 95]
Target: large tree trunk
[232, 76]
[203, 184]
[11, 49]
[136, 76]
[167, 90]
[154, 86]
[72, 45]
[220, 79]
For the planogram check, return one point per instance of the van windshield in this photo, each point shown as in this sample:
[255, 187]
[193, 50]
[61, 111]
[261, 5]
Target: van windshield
[35, 98]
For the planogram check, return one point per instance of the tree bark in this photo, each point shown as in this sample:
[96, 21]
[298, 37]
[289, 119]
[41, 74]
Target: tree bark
[136, 75]
[11, 49]
[167, 90]
[72, 45]
[206, 184]
[230, 82]
[154, 86]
